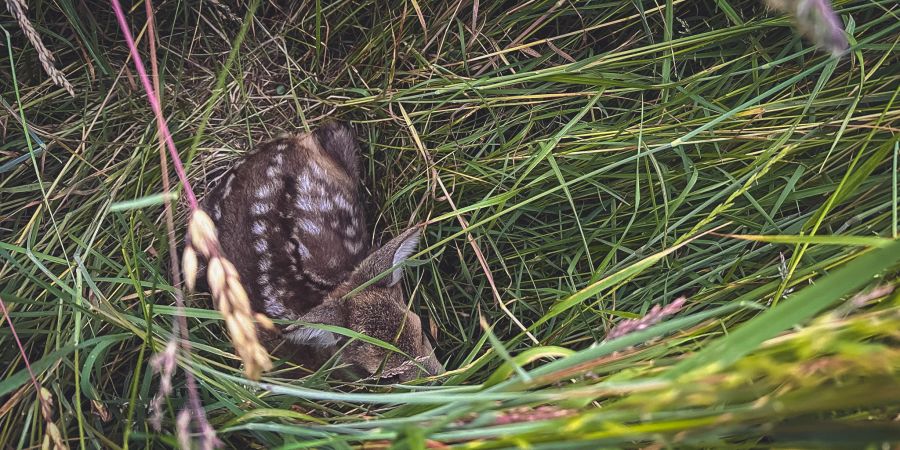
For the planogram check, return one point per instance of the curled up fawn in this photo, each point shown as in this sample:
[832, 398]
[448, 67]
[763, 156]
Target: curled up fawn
[290, 218]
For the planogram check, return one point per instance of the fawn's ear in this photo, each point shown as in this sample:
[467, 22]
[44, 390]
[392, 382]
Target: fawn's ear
[339, 141]
[389, 255]
[329, 312]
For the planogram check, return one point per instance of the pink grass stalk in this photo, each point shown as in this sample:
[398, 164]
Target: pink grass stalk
[46, 408]
[37, 384]
[208, 439]
[154, 103]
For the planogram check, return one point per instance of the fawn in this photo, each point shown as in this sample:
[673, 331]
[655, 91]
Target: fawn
[290, 218]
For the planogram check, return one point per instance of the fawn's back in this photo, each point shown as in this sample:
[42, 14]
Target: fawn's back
[290, 218]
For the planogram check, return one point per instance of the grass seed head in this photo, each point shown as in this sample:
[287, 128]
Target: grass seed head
[190, 267]
[53, 437]
[263, 321]
[215, 276]
[202, 233]
[227, 291]
[19, 9]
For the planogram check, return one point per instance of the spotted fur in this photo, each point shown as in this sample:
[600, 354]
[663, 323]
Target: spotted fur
[290, 218]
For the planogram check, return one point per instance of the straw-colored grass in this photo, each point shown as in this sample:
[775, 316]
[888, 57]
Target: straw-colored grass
[577, 164]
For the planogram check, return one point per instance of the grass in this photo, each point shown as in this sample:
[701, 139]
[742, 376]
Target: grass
[606, 156]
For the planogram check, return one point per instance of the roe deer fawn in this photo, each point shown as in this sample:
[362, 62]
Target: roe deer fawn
[290, 218]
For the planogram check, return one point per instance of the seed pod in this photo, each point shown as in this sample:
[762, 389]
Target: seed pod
[189, 266]
[263, 321]
[215, 276]
[202, 232]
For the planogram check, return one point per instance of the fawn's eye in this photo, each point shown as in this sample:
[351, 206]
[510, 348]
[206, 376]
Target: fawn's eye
[393, 379]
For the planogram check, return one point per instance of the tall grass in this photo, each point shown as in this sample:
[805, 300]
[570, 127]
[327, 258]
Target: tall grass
[603, 157]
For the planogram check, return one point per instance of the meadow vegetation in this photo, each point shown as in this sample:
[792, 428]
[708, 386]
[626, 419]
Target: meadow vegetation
[577, 163]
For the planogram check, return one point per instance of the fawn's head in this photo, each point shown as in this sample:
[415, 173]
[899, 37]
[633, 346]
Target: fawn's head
[378, 310]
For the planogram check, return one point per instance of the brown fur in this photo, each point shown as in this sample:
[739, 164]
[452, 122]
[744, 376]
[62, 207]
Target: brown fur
[290, 217]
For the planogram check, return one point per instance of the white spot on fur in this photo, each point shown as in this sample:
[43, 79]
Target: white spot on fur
[281, 147]
[304, 183]
[350, 231]
[341, 202]
[260, 208]
[273, 171]
[325, 204]
[228, 182]
[217, 212]
[303, 251]
[274, 307]
[259, 228]
[265, 191]
[261, 246]
[304, 202]
[279, 159]
[310, 226]
[353, 246]
[265, 265]
[313, 337]
[317, 170]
